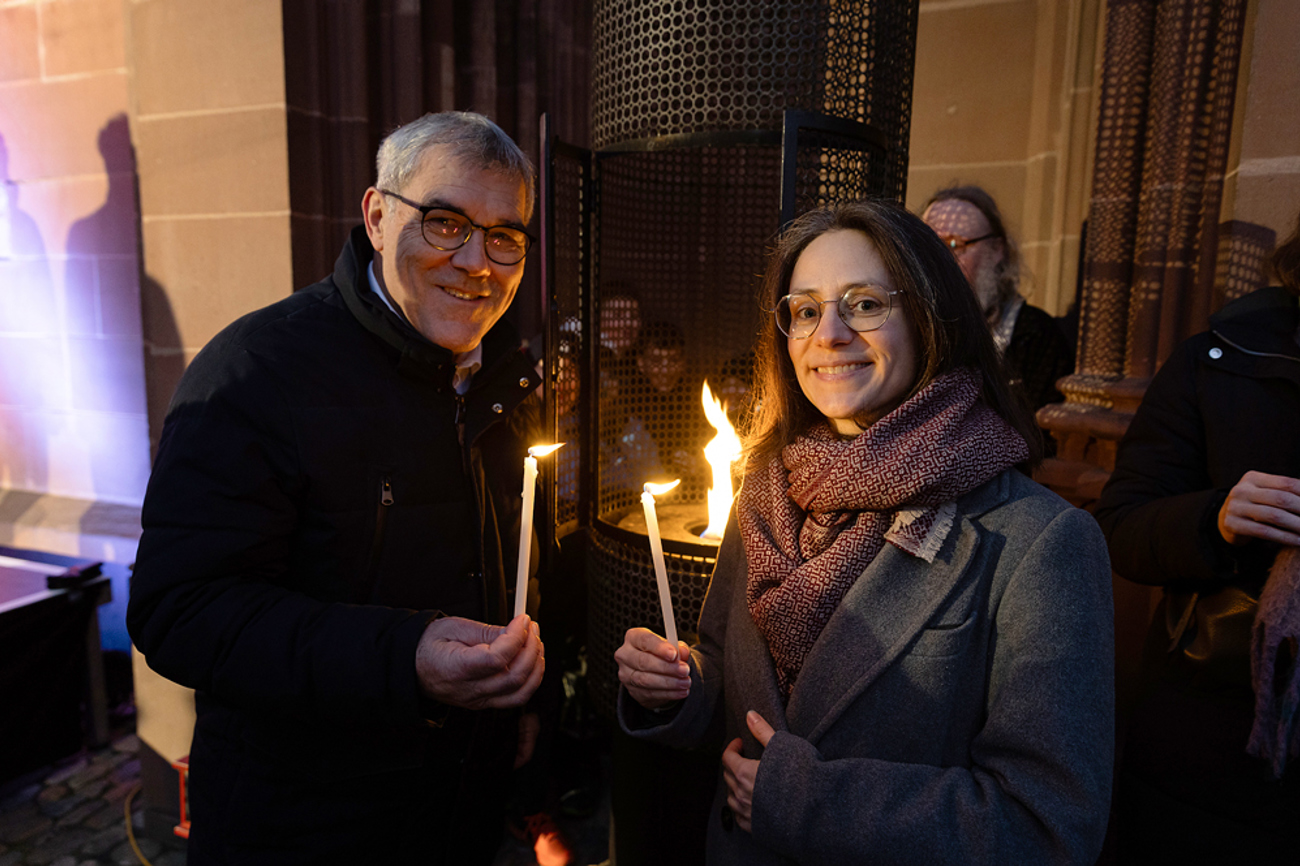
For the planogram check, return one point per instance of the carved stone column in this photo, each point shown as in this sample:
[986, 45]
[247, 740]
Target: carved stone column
[1154, 245]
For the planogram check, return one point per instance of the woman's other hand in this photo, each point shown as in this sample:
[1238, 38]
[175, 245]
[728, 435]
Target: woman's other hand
[740, 772]
[654, 672]
[1262, 506]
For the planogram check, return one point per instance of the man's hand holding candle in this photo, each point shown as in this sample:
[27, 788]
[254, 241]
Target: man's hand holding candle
[478, 666]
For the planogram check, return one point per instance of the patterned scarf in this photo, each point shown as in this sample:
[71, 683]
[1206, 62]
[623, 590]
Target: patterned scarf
[813, 520]
[1275, 671]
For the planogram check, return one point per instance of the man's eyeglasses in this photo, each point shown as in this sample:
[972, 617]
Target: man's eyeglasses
[862, 308]
[958, 244]
[447, 229]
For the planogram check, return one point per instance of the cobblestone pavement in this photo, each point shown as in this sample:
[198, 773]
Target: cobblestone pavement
[72, 814]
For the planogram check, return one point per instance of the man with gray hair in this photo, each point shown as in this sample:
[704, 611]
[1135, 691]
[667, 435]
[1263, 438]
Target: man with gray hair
[1034, 347]
[327, 528]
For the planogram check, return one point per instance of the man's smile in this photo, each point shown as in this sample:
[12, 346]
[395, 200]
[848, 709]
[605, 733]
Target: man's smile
[464, 295]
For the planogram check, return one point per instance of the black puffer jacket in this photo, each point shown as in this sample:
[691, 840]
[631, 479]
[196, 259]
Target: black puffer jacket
[1225, 403]
[311, 509]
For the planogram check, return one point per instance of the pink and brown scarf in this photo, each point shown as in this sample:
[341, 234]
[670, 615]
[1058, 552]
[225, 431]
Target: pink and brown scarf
[1275, 665]
[813, 520]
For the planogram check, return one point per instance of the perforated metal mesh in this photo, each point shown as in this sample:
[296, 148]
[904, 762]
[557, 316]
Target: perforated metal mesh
[668, 67]
[681, 241]
[831, 167]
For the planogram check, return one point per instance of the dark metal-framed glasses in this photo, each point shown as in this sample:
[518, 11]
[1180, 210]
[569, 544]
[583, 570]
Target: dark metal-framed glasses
[861, 308]
[448, 229]
[958, 244]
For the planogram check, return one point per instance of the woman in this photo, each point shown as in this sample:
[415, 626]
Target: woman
[1204, 500]
[907, 640]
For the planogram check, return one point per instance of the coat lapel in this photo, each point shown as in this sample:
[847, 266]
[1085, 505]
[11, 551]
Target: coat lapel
[884, 610]
[750, 662]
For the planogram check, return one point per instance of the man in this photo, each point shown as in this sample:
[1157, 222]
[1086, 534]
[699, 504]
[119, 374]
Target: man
[1035, 349]
[328, 525]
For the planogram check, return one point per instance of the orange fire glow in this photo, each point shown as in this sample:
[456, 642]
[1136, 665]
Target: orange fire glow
[721, 452]
[551, 850]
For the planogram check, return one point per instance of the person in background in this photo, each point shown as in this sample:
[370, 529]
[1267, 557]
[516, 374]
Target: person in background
[733, 384]
[626, 452]
[906, 640]
[620, 326]
[329, 533]
[967, 219]
[665, 396]
[1205, 502]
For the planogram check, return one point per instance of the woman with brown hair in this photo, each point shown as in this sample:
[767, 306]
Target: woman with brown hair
[907, 641]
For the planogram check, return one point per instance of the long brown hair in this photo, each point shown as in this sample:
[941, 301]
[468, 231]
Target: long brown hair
[950, 329]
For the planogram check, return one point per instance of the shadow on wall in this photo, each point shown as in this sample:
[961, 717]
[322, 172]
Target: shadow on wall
[125, 365]
[104, 332]
[163, 355]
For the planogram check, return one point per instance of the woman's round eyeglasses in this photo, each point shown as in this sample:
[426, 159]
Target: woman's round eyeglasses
[446, 229]
[861, 308]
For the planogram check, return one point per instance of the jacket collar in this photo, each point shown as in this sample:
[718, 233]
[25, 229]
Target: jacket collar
[1262, 323]
[873, 625]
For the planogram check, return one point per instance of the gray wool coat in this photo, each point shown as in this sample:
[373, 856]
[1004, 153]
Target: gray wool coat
[960, 711]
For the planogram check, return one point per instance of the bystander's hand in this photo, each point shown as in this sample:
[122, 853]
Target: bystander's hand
[477, 666]
[740, 772]
[1262, 506]
[654, 672]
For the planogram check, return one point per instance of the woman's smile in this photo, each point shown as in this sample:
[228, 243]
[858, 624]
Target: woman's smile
[852, 377]
[840, 369]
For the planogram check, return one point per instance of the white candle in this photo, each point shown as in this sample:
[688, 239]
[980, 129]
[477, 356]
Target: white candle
[526, 523]
[657, 554]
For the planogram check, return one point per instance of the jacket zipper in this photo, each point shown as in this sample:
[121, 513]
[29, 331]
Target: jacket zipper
[467, 466]
[460, 422]
[377, 540]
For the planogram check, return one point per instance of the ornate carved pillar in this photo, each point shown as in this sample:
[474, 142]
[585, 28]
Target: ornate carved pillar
[1155, 250]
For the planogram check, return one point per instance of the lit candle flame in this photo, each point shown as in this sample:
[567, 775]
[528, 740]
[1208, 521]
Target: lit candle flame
[543, 450]
[526, 523]
[723, 450]
[649, 491]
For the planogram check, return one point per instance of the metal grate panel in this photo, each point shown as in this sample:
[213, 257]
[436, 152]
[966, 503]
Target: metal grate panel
[682, 238]
[570, 202]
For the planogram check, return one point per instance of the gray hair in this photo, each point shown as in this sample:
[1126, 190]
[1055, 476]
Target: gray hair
[469, 137]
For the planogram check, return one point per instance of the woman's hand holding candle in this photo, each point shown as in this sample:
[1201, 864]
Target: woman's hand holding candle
[649, 492]
[655, 673]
